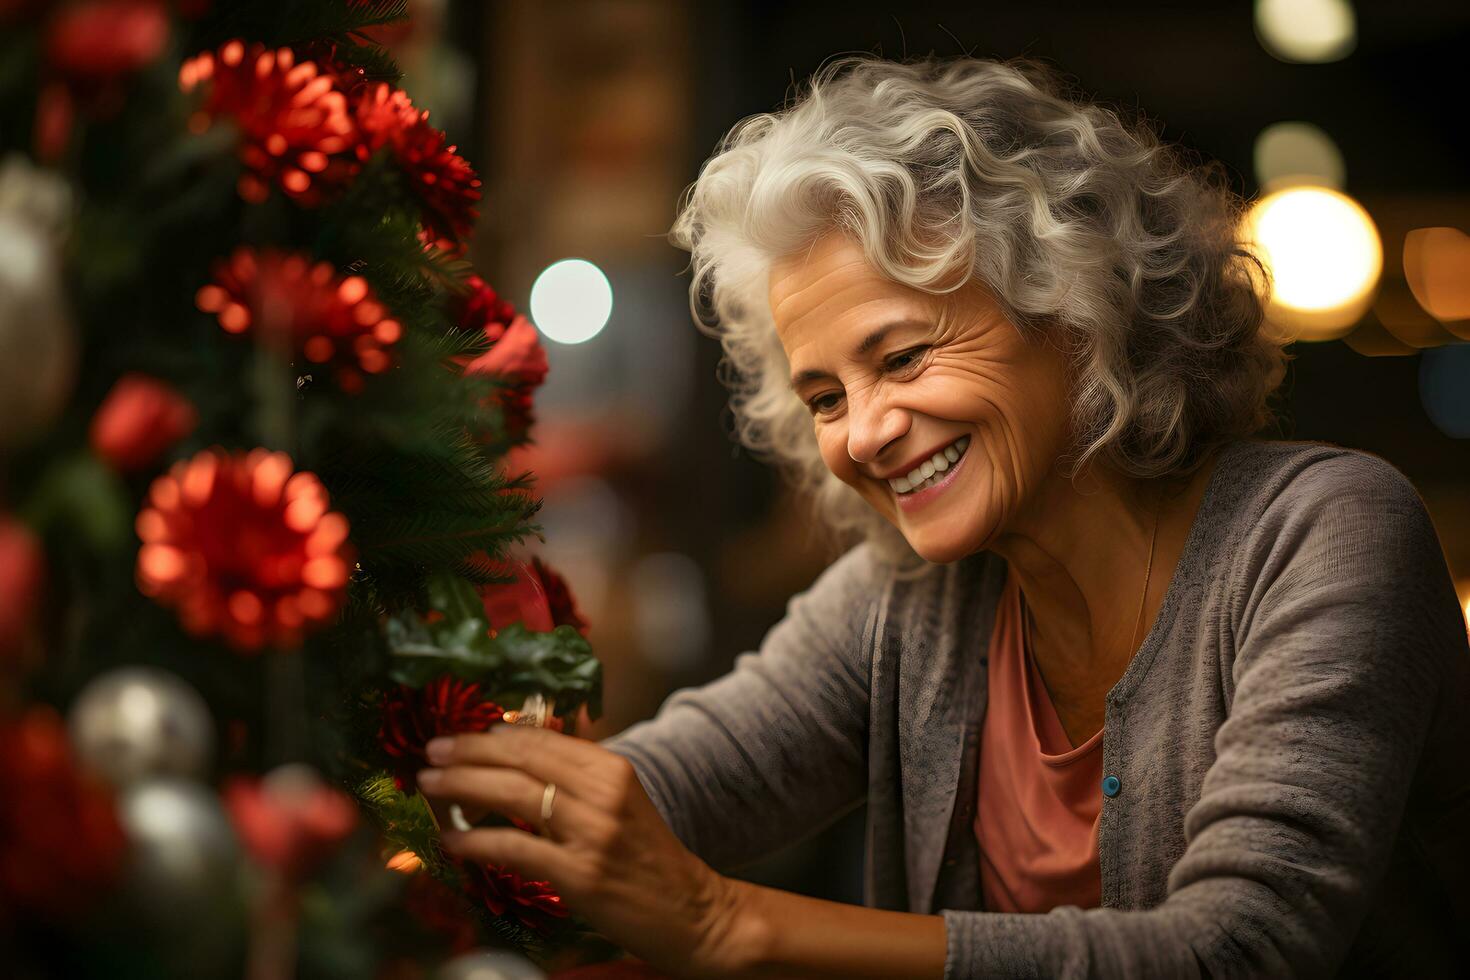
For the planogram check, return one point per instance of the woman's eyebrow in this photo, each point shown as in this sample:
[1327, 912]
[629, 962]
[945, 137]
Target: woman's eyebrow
[867, 344]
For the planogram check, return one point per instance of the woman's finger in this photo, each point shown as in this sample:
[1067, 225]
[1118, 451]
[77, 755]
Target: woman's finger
[549, 756]
[526, 854]
[510, 792]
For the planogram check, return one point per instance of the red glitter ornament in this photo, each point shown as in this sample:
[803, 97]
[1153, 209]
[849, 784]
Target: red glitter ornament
[517, 358]
[520, 600]
[559, 597]
[483, 309]
[296, 129]
[443, 181]
[22, 575]
[413, 716]
[303, 306]
[140, 418]
[534, 904]
[102, 39]
[243, 548]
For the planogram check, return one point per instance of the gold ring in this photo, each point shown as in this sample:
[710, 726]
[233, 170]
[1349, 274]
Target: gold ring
[548, 800]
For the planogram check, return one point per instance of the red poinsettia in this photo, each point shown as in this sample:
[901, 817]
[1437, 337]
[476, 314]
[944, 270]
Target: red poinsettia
[60, 840]
[534, 904]
[289, 820]
[517, 358]
[443, 181]
[294, 303]
[140, 418]
[243, 548]
[413, 716]
[296, 130]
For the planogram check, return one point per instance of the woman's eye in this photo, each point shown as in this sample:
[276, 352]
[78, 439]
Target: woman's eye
[904, 359]
[822, 404]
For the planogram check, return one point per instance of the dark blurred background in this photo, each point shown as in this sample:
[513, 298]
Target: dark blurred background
[587, 118]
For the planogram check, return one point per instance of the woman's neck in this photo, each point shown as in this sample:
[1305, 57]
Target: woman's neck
[1081, 555]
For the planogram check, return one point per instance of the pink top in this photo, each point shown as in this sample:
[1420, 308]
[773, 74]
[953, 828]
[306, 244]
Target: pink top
[1040, 798]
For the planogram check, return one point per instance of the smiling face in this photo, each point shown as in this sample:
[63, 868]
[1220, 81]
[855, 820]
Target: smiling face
[933, 408]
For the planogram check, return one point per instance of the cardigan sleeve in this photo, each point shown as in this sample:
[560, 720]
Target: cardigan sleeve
[777, 748]
[1346, 625]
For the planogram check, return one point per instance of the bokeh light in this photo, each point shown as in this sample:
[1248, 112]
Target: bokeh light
[1437, 268]
[1444, 388]
[1308, 31]
[1324, 256]
[571, 301]
[1291, 153]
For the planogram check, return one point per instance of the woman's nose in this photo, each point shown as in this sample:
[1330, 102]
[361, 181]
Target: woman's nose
[873, 424]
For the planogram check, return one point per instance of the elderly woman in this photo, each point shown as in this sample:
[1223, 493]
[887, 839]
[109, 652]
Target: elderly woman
[1127, 692]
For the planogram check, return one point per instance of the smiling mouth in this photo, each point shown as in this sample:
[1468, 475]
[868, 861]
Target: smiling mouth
[932, 470]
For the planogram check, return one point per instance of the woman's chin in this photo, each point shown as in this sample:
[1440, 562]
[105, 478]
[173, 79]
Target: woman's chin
[937, 549]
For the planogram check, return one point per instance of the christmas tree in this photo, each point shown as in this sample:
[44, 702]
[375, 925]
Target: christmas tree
[258, 542]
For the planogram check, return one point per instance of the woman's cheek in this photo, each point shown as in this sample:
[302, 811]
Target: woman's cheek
[832, 444]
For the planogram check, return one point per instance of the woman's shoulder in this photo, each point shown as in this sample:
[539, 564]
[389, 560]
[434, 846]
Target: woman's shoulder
[1314, 512]
[1275, 483]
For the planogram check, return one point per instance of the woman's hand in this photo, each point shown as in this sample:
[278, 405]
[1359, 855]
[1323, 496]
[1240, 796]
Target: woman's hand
[605, 849]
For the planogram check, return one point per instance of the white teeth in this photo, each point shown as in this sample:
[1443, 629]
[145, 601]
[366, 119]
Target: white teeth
[930, 471]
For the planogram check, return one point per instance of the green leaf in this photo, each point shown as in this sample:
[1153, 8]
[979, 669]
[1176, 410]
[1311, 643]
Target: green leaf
[558, 664]
[405, 820]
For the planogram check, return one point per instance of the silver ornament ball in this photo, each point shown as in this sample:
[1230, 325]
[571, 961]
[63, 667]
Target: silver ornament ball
[489, 964]
[133, 723]
[184, 856]
[38, 341]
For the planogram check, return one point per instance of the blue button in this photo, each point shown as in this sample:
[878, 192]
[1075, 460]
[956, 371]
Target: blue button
[1111, 786]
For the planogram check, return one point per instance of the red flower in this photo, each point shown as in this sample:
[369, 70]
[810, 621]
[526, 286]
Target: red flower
[296, 304]
[60, 839]
[534, 904]
[243, 548]
[140, 418]
[484, 310]
[559, 597]
[289, 820]
[443, 181]
[22, 571]
[102, 39]
[517, 358]
[413, 716]
[296, 130]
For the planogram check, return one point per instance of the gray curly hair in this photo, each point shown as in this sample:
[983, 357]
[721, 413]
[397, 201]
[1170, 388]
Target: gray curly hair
[1084, 227]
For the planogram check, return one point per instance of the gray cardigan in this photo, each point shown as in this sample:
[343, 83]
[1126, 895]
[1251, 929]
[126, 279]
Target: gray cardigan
[1290, 740]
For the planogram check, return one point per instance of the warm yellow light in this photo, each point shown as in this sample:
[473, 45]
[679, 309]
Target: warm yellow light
[1437, 268]
[405, 862]
[1324, 256]
[1290, 153]
[1306, 30]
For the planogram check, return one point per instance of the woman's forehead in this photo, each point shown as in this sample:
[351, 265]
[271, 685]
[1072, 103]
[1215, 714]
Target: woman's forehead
[828, 283]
